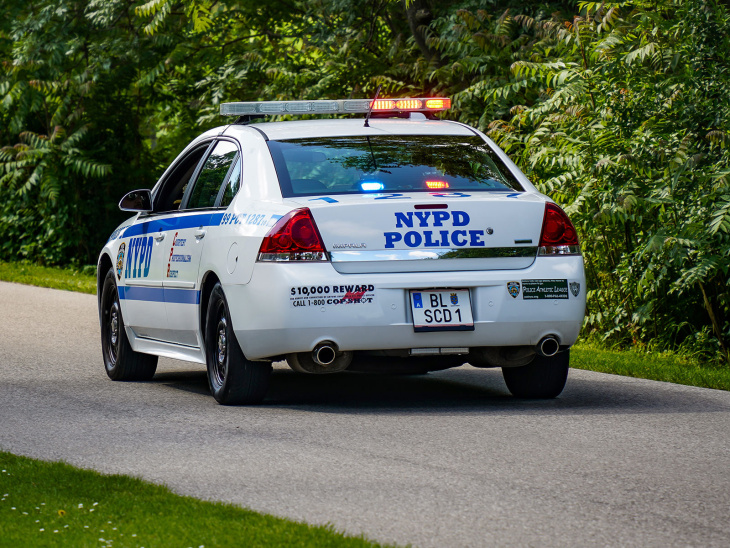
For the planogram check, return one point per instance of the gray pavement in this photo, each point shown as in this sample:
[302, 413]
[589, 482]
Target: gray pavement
[447, 459]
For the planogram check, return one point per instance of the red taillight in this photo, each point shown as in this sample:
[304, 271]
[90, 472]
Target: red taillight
[558, 235]
[293, 238]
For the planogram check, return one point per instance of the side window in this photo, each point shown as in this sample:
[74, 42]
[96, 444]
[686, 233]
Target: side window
[173, 189]
[234, 183]
[212, 176]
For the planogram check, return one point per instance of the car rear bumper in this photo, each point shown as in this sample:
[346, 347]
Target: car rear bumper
[267, 322]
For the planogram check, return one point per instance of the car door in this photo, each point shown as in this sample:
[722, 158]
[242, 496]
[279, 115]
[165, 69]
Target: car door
[187, 240]
[145, 254]
[140, 282]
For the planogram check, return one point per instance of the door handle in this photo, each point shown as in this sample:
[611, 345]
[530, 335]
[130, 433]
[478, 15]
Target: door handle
[159, 237]
[200, 234]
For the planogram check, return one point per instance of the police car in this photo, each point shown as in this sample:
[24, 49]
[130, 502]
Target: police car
[393, 239]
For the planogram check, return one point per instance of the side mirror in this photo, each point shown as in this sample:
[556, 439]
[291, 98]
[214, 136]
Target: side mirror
[137, 200]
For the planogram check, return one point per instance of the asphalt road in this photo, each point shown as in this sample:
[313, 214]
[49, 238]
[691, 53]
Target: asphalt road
[448, 459]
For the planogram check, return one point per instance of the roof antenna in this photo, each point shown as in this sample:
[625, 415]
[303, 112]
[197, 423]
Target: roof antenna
[370, 110]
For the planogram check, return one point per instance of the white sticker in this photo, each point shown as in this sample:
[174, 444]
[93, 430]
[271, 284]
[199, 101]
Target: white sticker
[332, 295]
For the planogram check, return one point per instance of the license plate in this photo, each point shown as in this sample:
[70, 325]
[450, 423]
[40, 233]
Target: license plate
[442, 310]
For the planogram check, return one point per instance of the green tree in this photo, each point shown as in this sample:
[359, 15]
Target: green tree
[629, 132]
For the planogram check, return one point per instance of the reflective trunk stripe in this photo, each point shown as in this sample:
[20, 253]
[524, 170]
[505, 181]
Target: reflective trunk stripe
[174, 223]
[160, 294]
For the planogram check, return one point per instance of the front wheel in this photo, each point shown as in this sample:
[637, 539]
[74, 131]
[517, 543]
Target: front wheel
[233, 379]
[121, 362]
[543, 378]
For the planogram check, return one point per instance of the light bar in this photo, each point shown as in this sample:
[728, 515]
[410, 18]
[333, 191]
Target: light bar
[409, 104]
[383, 104]
[437, 185]
[338, 106]
[438, 103]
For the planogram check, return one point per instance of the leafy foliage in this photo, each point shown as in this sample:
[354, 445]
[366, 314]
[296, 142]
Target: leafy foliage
[629, 131]
[618, 110]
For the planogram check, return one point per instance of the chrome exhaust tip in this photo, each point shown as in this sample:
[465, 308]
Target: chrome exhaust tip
[548, 346]
[325, 358]
[324, 354]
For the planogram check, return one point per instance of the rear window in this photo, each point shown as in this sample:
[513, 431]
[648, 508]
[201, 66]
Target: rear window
[388, 163]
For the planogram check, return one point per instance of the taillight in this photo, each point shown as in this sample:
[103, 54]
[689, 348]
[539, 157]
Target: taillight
[293, 238]
[558, 236]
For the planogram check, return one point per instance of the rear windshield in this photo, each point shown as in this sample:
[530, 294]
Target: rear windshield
[388, 163]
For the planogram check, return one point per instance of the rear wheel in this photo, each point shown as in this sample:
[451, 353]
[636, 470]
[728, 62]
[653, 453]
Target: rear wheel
[233, 379]
[121, 362]
[543, 378]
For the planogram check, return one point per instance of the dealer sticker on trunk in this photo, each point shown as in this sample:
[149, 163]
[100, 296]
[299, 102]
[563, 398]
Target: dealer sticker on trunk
[544, 289]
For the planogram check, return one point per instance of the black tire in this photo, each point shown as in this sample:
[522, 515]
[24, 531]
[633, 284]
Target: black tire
[233, 379]
[121, 362]
[543, 378]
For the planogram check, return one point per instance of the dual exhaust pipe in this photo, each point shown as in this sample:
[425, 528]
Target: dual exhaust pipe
[327, 358]
[325, 353]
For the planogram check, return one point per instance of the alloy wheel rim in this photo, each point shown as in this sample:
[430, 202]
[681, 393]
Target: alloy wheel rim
[221, 349]
[113, 331]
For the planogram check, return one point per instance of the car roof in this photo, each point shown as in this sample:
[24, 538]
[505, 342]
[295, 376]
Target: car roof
[299, 129]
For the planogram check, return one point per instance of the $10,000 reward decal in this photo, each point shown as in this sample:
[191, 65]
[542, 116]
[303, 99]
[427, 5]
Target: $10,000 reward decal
[330, 295]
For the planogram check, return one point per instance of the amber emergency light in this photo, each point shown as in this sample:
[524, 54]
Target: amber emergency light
[336, 106]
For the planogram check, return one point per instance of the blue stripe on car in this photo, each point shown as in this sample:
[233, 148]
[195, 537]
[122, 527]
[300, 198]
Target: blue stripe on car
[160, 294]
[174, 223]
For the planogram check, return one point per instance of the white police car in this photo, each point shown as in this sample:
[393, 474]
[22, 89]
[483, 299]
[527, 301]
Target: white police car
[394, 239]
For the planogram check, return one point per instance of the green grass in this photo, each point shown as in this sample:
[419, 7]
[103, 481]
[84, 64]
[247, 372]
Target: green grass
[54, 504]
[655, 366]
[45, 276]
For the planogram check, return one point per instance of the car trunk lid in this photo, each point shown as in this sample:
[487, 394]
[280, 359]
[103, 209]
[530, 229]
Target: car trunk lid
[419, 232]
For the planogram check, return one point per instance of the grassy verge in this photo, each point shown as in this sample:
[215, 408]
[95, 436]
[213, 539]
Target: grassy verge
[654, 366]
[44, 276]
[53, 504]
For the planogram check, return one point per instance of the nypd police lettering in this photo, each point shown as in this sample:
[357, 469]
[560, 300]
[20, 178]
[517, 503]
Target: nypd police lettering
[323, 295]
[255, 219]
[139, 257]
[433, 238]
[116, 233]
